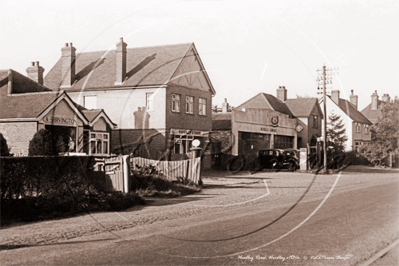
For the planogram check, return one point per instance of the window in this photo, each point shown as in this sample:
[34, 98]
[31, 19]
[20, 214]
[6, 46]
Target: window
[90, 102]
[176, 103]
[202, 106]
[189, 104]
[315, 121]
[357, 127]
[366, 129]
[149, 101]
[99, 143]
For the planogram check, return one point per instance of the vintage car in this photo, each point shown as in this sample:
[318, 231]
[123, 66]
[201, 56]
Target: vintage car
[277, 159]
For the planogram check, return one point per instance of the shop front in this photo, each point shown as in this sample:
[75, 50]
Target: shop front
[183, 138]
[257, 129]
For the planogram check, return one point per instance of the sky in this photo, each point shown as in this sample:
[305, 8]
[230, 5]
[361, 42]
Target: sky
[246, 46]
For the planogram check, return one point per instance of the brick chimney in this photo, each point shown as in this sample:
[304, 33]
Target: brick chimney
[353, 99]
[68, 61]
[282, 93]
[35, 72]
[335, 96]
[374, 101]
[386, 98]
[225, 106]
[120, 62]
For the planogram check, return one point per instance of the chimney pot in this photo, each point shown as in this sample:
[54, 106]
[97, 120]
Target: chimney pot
[374, 101]
[120, 62]
[353, 99]
[35, 72]
[68, 65]
[282, 93]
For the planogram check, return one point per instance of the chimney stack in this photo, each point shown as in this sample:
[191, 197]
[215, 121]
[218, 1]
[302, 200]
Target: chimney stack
[282, 93]
[386, 98]
[225, 106]
[35, 72]
[68, 61]
[353, 99]
[335, 96]
[120, 62]
[374, 101]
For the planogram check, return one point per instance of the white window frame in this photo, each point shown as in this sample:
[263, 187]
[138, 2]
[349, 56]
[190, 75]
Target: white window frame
[99, 137]
[189, 105]
[176, 103]
[366, 129]
[149, 101]
[358, 128]
[202, 106]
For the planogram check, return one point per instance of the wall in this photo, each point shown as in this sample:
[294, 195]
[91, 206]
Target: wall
[182, 120]
[18, 135]
[126, 107]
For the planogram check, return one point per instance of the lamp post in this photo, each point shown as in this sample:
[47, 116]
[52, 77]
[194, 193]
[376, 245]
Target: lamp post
[325, 78]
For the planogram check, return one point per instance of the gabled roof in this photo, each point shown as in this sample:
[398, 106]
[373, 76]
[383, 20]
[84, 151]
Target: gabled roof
[266, 101]
[22, 105]
[93, 114]
[351, 111]
[221, 121]
[146, 66]
[302, 107]
[373, 115]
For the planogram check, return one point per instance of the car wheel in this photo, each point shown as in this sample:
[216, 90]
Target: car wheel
[275, 165]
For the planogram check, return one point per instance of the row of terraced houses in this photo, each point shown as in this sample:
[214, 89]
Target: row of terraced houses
[153, 102]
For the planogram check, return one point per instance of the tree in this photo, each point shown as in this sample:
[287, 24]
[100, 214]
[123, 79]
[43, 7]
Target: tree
[4, 149]
[336, 136]
[384, 134]
[42, 143]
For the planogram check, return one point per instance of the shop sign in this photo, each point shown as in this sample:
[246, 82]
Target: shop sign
[274, 121]
[189, 132]
[59, 120]
[299, 128]
[268, 129]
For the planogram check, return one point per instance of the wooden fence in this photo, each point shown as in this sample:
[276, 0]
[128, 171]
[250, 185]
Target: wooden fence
[117, 170]
[172, 170]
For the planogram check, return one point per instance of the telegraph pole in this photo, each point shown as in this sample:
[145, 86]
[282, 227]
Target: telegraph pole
[325, 79]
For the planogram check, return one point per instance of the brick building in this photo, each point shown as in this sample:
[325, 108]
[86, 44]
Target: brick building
[27, 106]
[160, 96]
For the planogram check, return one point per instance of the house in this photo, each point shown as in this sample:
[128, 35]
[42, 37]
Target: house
[373, 110]
[27, 106]
[309, 117]
[356, 124]
[262, 122]
[160, 96]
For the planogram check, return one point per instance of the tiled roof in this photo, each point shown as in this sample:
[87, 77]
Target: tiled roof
[352, 112]
[153, 65]
[221, 121]
[267, 101]
[302, 107]
[23, 105]
[373, 115]
[91, 114]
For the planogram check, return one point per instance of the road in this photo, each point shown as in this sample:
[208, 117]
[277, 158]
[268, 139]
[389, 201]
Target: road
[331, 220]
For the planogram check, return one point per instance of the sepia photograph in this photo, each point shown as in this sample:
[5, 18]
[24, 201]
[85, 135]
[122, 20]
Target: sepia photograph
[199, 132]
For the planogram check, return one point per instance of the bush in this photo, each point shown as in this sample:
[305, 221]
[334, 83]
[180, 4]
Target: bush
[36, 188]
[4, 149]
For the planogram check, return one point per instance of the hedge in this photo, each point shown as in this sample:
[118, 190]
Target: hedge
[35, 188]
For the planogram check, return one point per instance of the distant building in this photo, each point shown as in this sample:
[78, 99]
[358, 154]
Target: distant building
[373, 110]
[262, 122]
[160, 96]
[356, 124]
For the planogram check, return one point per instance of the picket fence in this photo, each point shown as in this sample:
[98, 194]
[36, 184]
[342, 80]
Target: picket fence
[172, 170]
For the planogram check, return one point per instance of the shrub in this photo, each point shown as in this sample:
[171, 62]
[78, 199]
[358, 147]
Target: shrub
[42, 143]
[4, 149]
